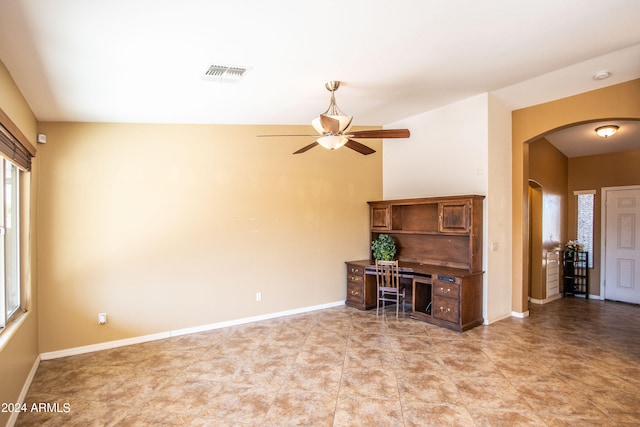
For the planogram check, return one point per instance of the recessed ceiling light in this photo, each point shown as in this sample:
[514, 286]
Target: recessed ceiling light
[601, 75]
[607, 131]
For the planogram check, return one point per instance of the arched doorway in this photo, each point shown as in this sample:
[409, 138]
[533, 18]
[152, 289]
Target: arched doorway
[528, 124]
[536, 282]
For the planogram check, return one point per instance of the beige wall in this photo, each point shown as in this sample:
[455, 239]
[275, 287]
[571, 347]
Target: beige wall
[498, 218]
[593, 173]
[166, 227]
[548, 167]
[617, 101]
[19, 342]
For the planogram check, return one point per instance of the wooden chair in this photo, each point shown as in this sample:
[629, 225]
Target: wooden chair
[388, 285]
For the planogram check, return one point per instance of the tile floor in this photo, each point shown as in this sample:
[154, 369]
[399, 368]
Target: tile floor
[573, 362]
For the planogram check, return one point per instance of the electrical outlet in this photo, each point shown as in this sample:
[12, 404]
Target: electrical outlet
[258, 296]
[102, 318]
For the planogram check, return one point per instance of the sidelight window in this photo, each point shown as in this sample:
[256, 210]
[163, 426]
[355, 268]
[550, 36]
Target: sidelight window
[584, 232]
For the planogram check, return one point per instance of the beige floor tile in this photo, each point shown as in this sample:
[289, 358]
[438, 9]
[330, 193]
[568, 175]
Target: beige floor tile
[571, 362]
[422, 414]
[146, 418]
[181, 396]
[301, 408]
[215, 368]
[357, 411]
[492, 418]
[372, 382]
[314, 378]
[494, 394]
[428, 388]
[235, 403]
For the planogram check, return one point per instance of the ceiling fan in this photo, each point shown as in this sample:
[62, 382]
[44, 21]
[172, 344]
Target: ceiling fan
[333, 127]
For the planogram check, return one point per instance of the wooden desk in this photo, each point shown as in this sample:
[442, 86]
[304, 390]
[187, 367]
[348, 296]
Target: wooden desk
[439, 242]
[444, 296]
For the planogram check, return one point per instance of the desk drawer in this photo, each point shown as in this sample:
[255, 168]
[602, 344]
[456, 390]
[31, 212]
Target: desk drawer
[446, 309]
[446, 289]
[355, 273]
[355, 278]
[353, 269]
[355, 292]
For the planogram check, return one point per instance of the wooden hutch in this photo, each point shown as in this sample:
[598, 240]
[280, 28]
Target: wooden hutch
[439, 242]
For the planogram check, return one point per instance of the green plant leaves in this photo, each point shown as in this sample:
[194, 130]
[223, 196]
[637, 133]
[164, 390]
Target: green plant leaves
[384, 247]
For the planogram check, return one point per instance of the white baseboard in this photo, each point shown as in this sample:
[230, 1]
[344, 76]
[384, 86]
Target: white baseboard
[595, 297]
[102, 346]
[496, 319]
[546, 300]
[520, 315]
[174, 333]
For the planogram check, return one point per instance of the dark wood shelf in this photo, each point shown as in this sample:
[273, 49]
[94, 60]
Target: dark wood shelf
[433, 233]
[575, 273]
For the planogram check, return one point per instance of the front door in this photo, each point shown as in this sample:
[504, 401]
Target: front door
[622, 248]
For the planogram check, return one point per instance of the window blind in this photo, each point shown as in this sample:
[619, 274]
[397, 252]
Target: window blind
[14, 146]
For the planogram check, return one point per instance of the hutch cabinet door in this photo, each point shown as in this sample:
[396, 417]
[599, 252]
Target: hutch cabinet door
[380, 217]
[454, 217]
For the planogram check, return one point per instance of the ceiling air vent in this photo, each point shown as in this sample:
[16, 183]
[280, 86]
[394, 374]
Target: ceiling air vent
[225, 73]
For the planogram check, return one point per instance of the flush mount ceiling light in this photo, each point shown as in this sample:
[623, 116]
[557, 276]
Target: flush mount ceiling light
[607, 131]
[601, 75]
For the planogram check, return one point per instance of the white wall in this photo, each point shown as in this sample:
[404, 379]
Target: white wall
[498, 218]
[447, 153]
[458, 149]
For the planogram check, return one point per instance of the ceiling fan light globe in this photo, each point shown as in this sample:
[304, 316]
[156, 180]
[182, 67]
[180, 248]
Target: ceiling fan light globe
[317, 125]
[332, 142]
[345, 122]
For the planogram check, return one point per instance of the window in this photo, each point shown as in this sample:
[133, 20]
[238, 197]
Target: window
[11, 297]
[16, 151]
[585, 221]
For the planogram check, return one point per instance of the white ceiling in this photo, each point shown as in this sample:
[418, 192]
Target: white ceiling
[144, 60]
[582, 140]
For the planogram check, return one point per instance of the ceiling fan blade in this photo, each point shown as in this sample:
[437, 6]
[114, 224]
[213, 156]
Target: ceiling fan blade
[308, 147]
[267, 136]
[360, 148]
[330, 124]
[382, 133]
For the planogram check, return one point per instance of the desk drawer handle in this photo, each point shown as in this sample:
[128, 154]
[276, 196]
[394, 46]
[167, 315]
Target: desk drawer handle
[354, 278]
[448, 310]
[355, 293]
[355, 270]
[446, 291]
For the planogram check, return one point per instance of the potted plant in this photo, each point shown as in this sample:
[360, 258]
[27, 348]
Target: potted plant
[568, 268]
[384, 248]
[571, 247]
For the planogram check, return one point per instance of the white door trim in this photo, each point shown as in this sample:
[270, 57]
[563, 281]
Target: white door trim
[603, 230]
